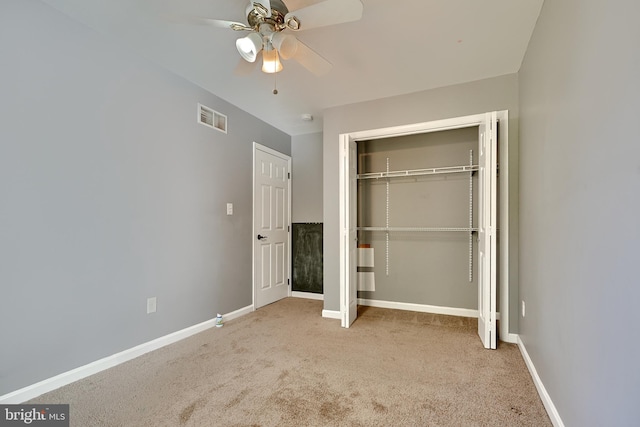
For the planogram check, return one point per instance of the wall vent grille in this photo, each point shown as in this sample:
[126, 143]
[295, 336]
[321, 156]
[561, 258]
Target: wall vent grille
[211, 118]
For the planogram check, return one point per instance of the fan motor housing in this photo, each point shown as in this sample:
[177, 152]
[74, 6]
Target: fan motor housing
[278, 12]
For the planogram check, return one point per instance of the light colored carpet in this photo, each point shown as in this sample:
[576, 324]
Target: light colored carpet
[284, 365]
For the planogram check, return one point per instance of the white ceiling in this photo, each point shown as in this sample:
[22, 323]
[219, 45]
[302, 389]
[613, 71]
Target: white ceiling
[399, 47]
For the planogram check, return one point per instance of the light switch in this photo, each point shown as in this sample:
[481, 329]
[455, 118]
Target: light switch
[151, 305]
[229, 208]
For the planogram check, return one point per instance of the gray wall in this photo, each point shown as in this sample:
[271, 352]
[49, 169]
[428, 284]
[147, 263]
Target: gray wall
[579, 204]
[306, 185]
[424, 267]
[110, 193]
[499, 93]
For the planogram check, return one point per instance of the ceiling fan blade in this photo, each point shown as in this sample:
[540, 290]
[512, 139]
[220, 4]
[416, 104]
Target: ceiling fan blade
[220, 23]
[328, 12]
[286, 44]
[266, 4]
[311, 60]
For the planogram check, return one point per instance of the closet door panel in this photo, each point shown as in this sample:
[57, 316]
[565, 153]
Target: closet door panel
[487, 231]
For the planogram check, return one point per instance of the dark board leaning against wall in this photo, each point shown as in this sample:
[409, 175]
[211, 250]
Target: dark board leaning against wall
[307, 257]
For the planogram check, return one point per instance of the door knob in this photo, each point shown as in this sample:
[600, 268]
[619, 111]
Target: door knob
[261, 237]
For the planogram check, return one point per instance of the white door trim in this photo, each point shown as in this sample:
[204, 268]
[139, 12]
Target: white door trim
[273, 152]
[503, 184]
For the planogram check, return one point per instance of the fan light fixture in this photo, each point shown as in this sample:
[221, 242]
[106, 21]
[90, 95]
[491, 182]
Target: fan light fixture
[286, 44]
[249, 46]
[271, 61]
[269, 21]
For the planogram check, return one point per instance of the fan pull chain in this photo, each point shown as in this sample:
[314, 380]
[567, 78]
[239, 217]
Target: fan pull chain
[275, 83]
[275, 75]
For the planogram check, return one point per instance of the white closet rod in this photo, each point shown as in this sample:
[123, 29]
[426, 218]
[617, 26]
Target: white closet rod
[418, 172]
[427, 229]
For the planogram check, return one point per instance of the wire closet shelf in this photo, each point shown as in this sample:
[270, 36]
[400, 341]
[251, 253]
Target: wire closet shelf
[469, 169]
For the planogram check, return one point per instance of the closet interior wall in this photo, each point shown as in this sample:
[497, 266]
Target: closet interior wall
[420, 266]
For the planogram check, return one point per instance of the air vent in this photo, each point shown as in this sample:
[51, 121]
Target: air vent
[211, 118]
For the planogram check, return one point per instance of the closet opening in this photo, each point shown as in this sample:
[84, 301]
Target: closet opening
[420, 220]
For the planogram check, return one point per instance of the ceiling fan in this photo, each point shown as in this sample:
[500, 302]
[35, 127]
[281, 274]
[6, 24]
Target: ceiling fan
[268, 22]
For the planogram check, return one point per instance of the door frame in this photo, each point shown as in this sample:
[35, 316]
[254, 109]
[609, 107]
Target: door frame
[503, 205]
[286, 157]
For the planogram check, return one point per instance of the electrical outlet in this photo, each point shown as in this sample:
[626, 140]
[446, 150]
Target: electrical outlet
[151, 305]
[229, 208]
[523, 308]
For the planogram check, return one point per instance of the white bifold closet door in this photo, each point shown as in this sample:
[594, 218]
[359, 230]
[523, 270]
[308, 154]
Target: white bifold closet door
[350, 231]
[487, 231]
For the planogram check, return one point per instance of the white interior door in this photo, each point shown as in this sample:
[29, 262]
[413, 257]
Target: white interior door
[270, 225]
[349, 170]
[487, 231]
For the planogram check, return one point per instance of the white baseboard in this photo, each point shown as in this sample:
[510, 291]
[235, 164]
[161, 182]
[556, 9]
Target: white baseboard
[510, 338]
[35, 390]
[542, 391]
[238, 313]
[450, 311]
[331, 314]
[307, 295]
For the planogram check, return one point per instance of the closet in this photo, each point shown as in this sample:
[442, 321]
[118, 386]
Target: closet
[418, 219]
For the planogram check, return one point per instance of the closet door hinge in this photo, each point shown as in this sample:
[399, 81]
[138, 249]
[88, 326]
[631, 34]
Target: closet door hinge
[288, 175]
